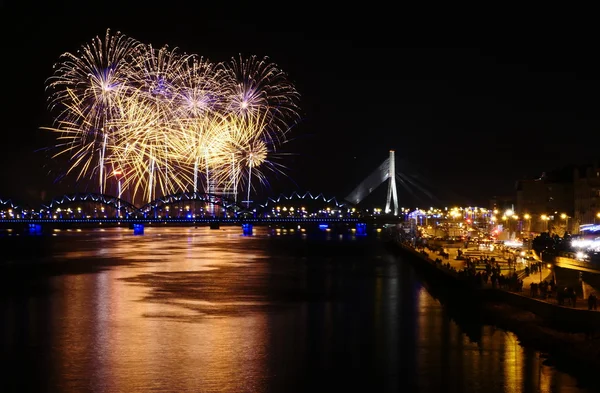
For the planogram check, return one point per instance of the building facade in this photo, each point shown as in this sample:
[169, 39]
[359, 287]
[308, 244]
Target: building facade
[561, 200]
[586, 183]
[547, 203]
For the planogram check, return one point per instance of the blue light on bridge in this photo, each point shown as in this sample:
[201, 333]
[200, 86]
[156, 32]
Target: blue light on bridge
[35, 229]
[138, 229]
[361, 229]
[247, 229]
[323, 226]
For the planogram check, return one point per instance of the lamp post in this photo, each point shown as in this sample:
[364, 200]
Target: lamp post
[545, 218]
[597, 216]
[508, 214]
[527, 218]
[541, 264]
[117, 175]
[566, 218]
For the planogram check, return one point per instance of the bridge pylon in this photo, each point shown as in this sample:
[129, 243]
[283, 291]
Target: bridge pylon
[392, 195]
[385, 171]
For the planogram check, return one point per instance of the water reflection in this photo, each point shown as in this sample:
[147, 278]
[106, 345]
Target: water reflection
[184, 309]
[495, 362]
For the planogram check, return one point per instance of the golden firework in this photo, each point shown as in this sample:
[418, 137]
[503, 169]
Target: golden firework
[168, 121]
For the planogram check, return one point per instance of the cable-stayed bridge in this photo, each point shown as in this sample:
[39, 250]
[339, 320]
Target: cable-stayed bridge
[416, 189]
[385, 171]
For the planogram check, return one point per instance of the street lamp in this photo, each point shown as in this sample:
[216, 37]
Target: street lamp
[527, 218]
[597, 216]
[566, 218]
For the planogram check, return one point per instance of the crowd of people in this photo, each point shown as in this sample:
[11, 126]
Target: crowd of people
[486, 271]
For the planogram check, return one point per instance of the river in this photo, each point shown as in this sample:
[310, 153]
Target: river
[200, 310]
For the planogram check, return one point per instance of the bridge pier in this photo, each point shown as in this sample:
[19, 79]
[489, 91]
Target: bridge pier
[247, 229]
[361, 229]
[138, 229]
[215, 225]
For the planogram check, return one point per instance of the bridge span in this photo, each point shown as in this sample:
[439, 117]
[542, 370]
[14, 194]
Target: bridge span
[183, 204]
[359, 225]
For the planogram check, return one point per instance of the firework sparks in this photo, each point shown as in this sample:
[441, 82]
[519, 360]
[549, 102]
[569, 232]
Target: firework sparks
[168, 121]
[87, 84]
[259, 87]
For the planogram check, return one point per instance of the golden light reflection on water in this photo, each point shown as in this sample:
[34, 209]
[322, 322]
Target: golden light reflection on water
[513, 361]
[131, 340]
[448, 345]
[199, 310]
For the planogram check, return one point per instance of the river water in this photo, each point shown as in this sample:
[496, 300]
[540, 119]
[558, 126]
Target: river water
[200, 310]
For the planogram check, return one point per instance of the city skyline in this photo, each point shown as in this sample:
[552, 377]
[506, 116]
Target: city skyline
[469, 117]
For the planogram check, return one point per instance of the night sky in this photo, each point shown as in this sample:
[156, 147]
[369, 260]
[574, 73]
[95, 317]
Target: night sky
[468, 108]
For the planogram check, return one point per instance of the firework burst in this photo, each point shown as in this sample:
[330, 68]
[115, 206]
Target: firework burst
[84, 89]
[166, 121]
[257, 87]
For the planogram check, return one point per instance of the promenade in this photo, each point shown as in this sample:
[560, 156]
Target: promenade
[501, 258]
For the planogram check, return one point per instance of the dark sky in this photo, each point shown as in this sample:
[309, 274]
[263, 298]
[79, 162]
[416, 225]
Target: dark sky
[468, 107]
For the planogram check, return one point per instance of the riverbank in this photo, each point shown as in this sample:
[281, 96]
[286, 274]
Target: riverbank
[577, 352]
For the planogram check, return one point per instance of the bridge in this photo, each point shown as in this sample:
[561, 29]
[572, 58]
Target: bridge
[198, 208]
[180, 205]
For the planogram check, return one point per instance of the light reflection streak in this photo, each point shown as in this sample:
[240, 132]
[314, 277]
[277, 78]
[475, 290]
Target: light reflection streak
[105, 301]
[513, 362]
[453, 350]
[73, 330]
